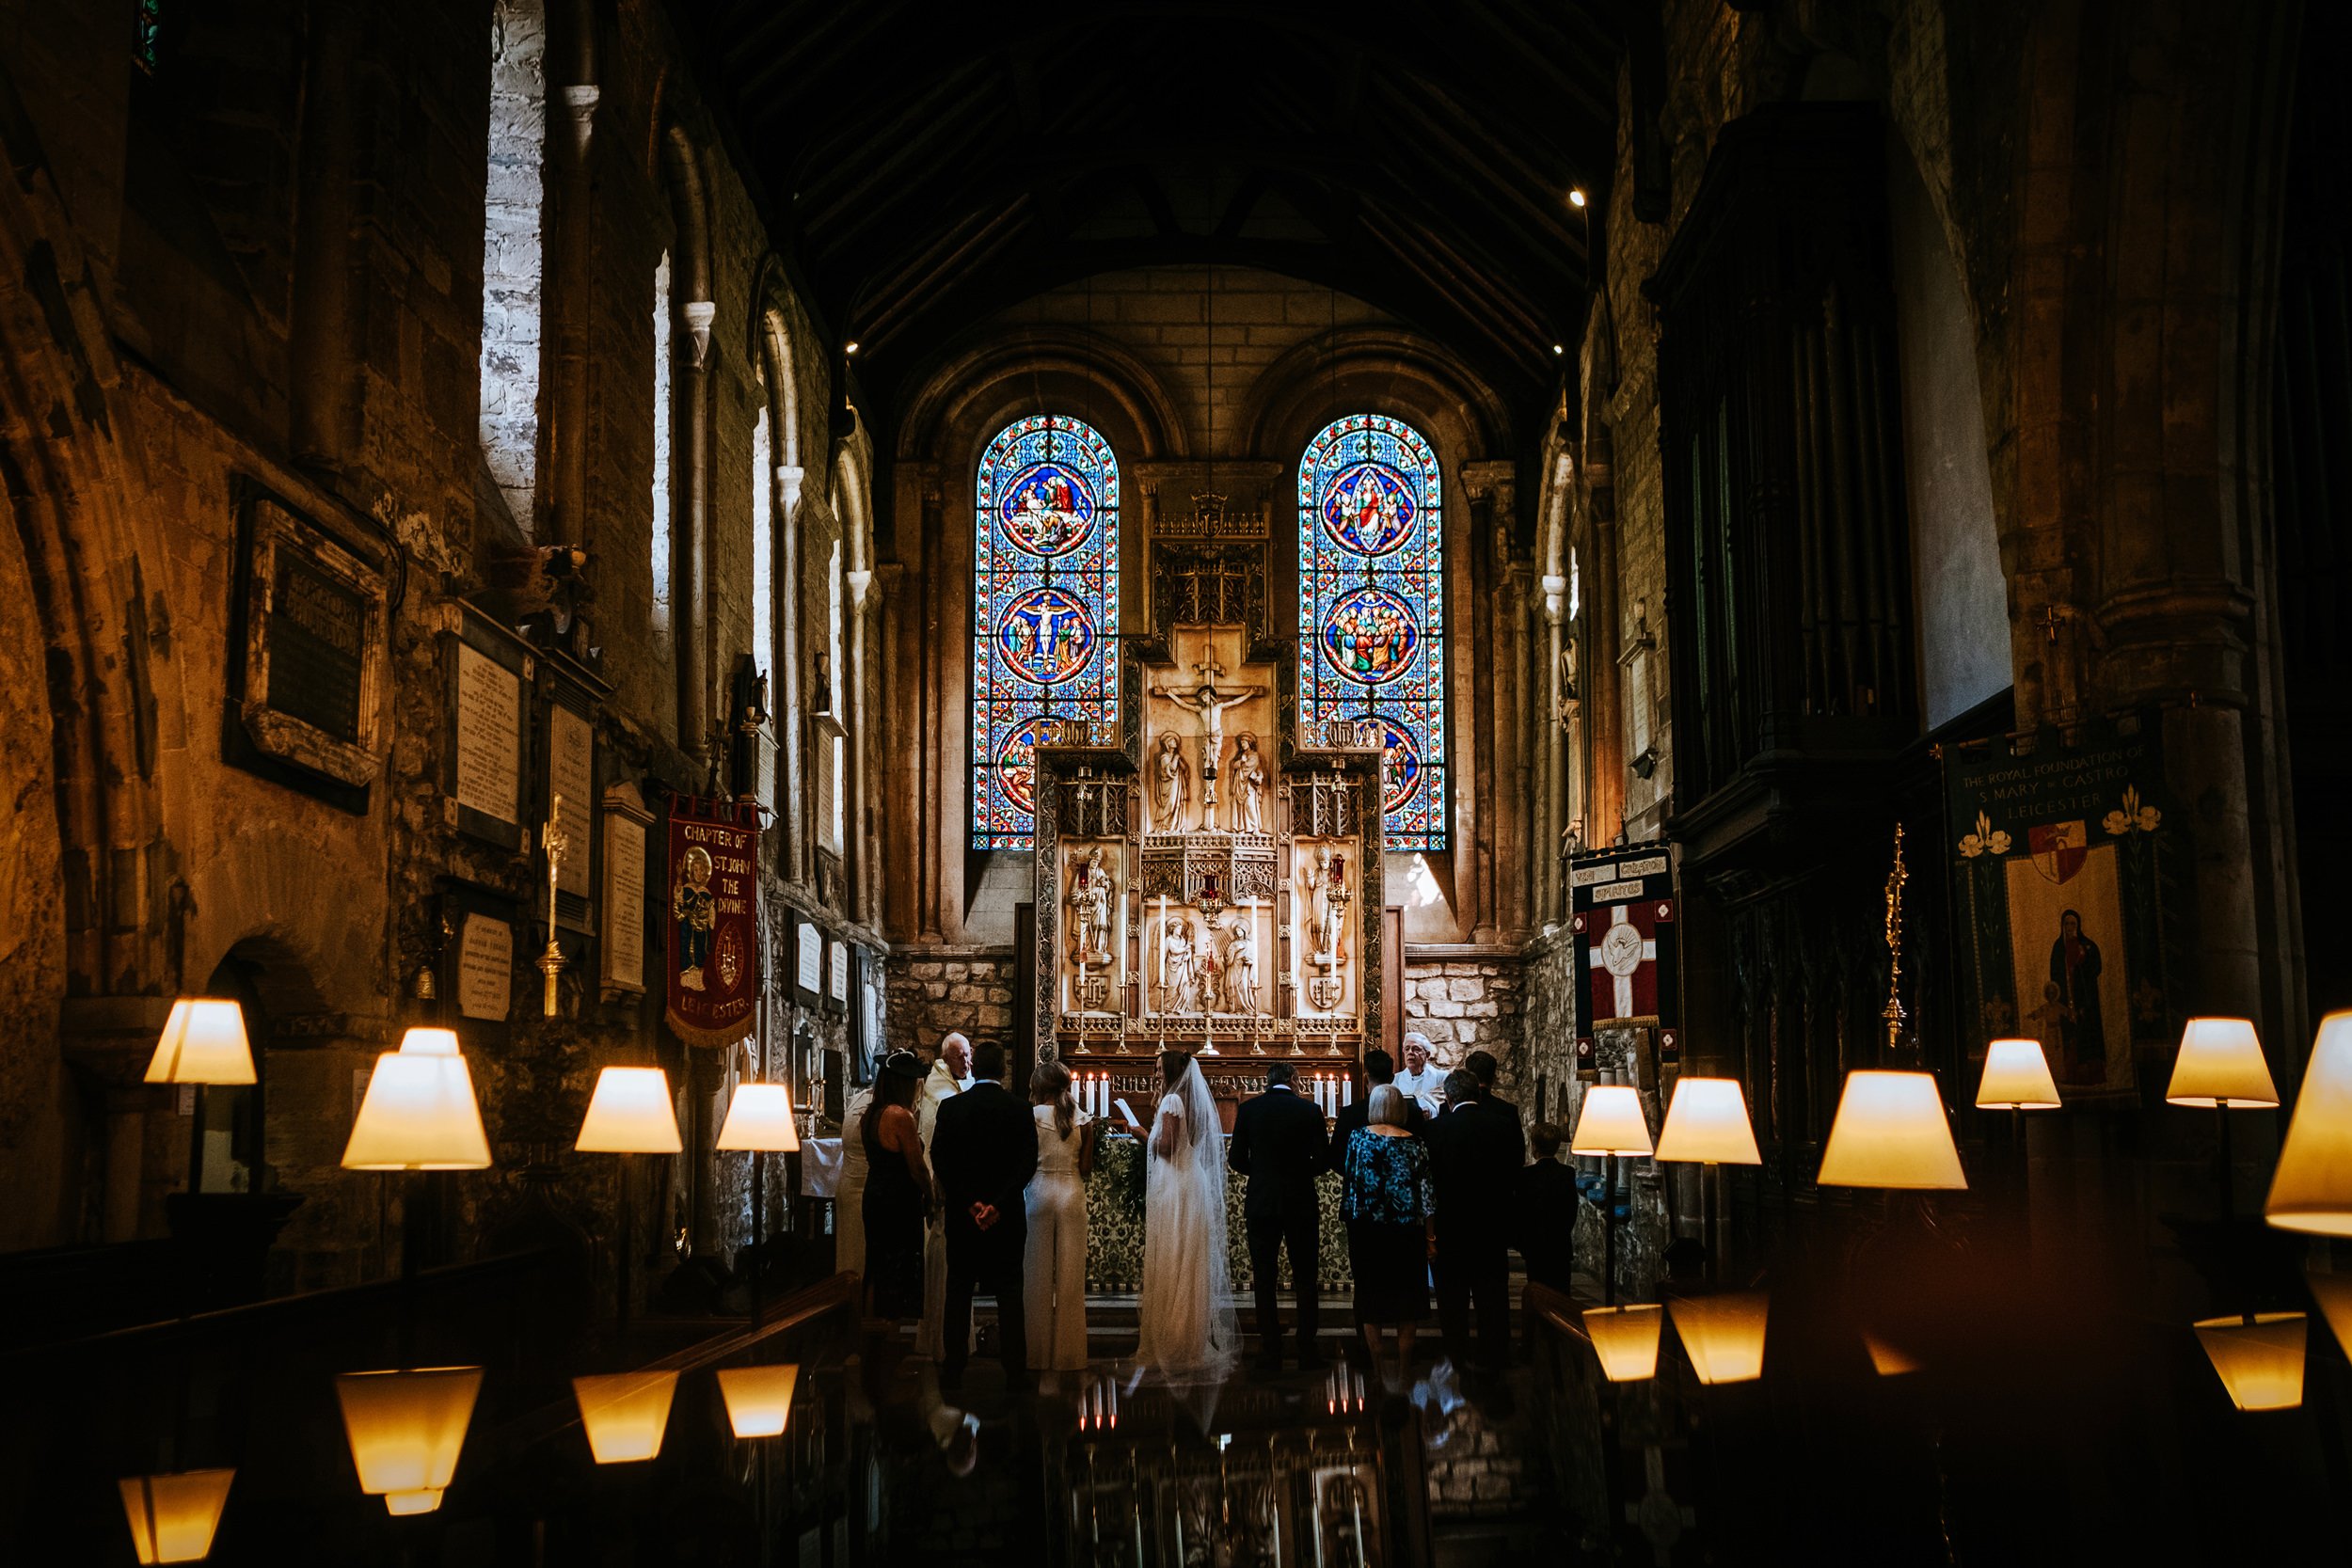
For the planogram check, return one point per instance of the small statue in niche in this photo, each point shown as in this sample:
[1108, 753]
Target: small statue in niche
[1241, 965]
[1091, 909]
[1248, 807]
[1179, 967]
[1171, 786]
[1327, 880]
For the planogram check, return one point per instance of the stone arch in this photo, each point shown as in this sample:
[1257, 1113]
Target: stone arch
[983, 388]
[1377, 368]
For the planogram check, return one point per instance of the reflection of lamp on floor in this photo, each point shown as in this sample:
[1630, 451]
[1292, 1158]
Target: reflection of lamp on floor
[2311, 1189]
[2259, 1358]
[173, 1517]
[625, 1412]
[1624, 1338]
[759, 1399]
[2221, 1064]
[1723, 1335]
[760, 1118]
[406, 1430]
[1610, 1122]
[630, 1113]
[1706, 1124]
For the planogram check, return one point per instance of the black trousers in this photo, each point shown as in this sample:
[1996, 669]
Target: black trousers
[1269, 1235]
[1475, 1277]
[990, 1259]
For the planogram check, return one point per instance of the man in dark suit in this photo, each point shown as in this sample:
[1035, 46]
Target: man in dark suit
[983, 1152]
[1474, 1172]
[1379, 1068]
[1279, 1144]
[1480, 1066]
[1544, 1216]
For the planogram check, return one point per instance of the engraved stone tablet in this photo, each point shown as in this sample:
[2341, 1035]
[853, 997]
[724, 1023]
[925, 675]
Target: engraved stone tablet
[485, 969]
[489, 735]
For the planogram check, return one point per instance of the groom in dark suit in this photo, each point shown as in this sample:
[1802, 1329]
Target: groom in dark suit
[983, 1152]
[1279, 1144]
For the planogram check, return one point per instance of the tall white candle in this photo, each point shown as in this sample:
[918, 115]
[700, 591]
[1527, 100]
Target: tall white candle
[1161, 926]
[1347, 1089]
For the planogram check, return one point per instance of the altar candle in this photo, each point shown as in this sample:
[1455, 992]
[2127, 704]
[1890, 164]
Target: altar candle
[1347, 1089]
[1162, 926]
[1065, 994]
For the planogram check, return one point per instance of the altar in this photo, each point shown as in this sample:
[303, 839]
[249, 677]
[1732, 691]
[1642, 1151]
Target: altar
[1208, 879]
[1115, 1225]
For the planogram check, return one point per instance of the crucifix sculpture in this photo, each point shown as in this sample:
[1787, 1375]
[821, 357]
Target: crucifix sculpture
[1207, 699]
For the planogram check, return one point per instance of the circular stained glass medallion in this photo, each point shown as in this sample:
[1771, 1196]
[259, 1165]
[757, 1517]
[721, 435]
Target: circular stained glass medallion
[1048, 509]
[1046, 635]
[1369, 635]
[1016, 762]
[1369, 509]
[1400, 765]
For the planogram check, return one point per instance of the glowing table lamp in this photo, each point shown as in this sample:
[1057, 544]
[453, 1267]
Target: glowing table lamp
[630, 1113]
[625, 1413]
[1706, 1124]
[406, 1430]
[1610, 1123]
[2221, 1063]
[759, 1399]
[420, 1114]
[173, 1517]
[2018, 1075]
[1723, 1335]
[203, 1042]
[1891, 1132]
[760, 1118]
[1626, 1340]
[2311, 1189]
[2259, 1358]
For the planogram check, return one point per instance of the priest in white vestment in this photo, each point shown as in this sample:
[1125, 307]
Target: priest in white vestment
[1423, 1078]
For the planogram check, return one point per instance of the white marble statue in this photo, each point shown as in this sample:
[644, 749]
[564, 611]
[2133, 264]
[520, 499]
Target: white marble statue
[1091, 909]
[1179, 967]
[1241, 966]
[1170, 779]
[1248, 810]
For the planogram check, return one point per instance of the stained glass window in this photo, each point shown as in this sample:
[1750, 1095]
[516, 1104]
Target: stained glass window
[1045, 610]
[1371, 607]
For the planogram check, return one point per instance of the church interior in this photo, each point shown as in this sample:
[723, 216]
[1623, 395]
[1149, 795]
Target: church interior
[1708, 625]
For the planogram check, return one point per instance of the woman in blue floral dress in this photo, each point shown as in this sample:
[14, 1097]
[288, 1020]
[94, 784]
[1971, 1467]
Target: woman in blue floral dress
[1386, 1200]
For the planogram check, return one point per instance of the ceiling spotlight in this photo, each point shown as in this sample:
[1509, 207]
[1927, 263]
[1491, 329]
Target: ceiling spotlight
[850, 347]
[1576, 196]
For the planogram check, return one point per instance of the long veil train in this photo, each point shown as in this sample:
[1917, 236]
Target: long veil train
[1189, 1331]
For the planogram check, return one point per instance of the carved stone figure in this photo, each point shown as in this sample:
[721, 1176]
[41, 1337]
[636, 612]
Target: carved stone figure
[1180, 968]
[1090, 909]
[1210, 703]
[1171, 786]
[1241, 966]
[1247, 812]
[1328, 880]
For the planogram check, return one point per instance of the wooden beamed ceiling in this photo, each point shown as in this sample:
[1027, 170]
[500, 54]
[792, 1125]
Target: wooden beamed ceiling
[929, 164]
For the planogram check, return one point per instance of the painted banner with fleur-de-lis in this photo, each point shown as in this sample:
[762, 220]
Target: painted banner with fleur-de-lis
[2070, 882]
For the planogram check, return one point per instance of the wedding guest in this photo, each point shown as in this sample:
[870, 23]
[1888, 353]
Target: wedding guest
[1473, 1167]
[897, 1192]
[849, 1193]
[1053, 1269]
[984, 1150]
[1480, 1066]
[1385, 1197]
[1545, 1210]
[1422, 1081]
[1379, 1068]
[951, 1070]
[1279, 1144]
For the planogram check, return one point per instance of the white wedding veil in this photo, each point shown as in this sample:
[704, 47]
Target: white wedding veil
[1194, 1176]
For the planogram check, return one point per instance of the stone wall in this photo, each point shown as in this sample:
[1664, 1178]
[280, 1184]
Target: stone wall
[934, 990]
[1465, 1004]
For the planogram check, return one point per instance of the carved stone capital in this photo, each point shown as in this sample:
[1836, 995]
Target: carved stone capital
[698, 314]
[580, 103]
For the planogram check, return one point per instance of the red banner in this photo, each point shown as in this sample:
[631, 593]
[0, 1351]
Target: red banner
[712, 955]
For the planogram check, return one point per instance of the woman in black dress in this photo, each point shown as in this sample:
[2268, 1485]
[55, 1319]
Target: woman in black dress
[897, 1192]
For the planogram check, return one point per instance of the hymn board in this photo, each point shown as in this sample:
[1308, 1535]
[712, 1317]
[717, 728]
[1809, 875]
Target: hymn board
[1212, 882]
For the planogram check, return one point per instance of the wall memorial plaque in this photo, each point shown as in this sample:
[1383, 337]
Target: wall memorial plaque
[572, 774]
[625, 820]
[810, 975]
[310, 682]
[837, 975]
[489, 737]
[485, 968]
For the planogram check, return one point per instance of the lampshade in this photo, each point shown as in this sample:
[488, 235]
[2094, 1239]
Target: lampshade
[759, 1399]
[625, 1413]
[2017, 1074]
[1610, 1122]
[1723, 1335]
[761, 1117]
[1891, 1132]
[406, 1429]
[631, 1114]
[2311, 1189]
[173, 1517]
[1626, 1340]
[2260, 1362]
[203, 1042]
[2220, 1062]
[2333, 1292]
[1708, 1120]
[418, 1114]
[429, 1043]
[1886, 1359]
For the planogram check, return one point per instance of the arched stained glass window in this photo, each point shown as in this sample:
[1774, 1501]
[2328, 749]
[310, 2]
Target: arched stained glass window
[1045, 608]
[1371, 607]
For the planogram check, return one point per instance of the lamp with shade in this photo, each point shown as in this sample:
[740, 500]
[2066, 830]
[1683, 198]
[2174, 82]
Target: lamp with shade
[625, 1414]
[1891, 1132]
[1624, 1338]
[629, 1112]
[203, 1044]
[2311, 1189]
[1706, 1124]
[759, 1399]
[1610, 1123]
[2018, 1075]
[2221, 1063]
[174, 1517]
[418, 1114]
[759, 1119]
[406, 1430]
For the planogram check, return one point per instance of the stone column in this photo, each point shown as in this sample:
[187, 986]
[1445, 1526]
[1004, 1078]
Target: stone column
[1491, 487]
[571, 305]
[789, 479]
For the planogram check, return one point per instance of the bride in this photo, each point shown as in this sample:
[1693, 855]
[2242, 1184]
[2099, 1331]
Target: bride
[1188, 1326]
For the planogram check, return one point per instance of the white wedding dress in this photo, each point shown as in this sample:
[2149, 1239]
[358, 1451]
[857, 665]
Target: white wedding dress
[1189, 1332]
